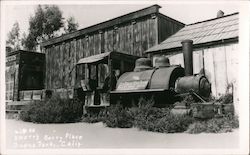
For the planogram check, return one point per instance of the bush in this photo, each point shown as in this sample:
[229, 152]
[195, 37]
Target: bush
[161, 120]
[174, 123]
[92, 119]
[54, 110]
[94, 116]
[214, 125]
[188, 100]
[196, 127]
[147, 117]
[226, 99]
[118, 116]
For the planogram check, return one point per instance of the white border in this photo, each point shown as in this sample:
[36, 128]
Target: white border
[243, 85]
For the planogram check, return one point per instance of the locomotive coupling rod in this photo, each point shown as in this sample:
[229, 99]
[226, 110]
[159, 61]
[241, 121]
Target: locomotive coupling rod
[198, 96]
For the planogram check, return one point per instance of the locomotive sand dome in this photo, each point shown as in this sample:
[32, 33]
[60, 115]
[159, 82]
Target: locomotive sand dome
[164, 82]
[142, 64]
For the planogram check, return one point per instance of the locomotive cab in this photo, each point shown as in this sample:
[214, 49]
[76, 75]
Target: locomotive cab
[103, 70]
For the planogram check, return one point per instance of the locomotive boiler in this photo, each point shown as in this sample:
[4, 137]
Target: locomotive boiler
[164, 83]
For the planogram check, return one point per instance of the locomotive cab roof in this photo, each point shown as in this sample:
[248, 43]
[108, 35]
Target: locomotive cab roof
[99, 58]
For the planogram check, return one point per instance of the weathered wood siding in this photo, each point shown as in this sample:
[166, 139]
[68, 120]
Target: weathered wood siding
[167, 26]
[220, 64]
[131, 38]
[24, 71]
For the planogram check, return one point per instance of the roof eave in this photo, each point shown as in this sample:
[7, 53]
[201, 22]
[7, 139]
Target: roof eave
[207, 44]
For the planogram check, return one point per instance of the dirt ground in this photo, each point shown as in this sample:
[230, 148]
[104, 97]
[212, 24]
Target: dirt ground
[23, 135]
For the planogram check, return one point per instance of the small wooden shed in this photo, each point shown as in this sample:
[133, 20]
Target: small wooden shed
[132, 34]
[24, 72]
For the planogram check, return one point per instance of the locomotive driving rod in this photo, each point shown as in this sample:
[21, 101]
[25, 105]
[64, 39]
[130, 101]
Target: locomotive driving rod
[197, 96]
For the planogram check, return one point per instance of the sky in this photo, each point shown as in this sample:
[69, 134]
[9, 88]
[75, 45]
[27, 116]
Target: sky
[90, 14]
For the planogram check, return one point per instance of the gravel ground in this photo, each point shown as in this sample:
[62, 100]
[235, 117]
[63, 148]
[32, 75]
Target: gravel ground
[83, 135]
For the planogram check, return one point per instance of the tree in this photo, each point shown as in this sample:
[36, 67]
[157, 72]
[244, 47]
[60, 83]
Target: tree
[43, 25]
[13, 38]
[71, 25]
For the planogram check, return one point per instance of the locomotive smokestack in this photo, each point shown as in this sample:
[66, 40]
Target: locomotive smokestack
[187, 49]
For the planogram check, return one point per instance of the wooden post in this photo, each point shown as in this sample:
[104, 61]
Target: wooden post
[14, 84]
[122, 67]
[97, 78]
[89, 70]
[110, 69]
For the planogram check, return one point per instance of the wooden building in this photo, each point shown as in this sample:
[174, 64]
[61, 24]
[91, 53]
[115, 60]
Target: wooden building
[215, 51]
[132, 34]
[24, 72]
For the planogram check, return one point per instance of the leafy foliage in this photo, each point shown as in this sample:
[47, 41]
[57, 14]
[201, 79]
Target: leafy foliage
[226, 99]
[149, 118]
[54, 110]
[46, 23]
[118, 116]
[71, 25]
[93, 117]
[146, 117]
[160, 120]
[214, 125]
[13, 37]
[43, 25]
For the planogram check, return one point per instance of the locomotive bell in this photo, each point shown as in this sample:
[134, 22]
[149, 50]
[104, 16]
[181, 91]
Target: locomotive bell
[142, 64]
[162, 62]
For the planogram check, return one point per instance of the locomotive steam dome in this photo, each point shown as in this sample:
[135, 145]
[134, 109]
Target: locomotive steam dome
[142, 64]
[162, 62]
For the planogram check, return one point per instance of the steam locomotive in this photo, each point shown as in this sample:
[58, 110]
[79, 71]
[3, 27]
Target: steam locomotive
[164, 83]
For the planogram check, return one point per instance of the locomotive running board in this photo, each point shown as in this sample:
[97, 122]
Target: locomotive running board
[137, 91]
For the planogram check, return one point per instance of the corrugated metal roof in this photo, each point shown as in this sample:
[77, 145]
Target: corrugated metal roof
[222, 28]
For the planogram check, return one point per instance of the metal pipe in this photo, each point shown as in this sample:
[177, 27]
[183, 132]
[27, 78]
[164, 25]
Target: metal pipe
[187, 49]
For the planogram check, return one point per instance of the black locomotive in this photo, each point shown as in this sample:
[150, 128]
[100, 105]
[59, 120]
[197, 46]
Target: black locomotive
[164, 83]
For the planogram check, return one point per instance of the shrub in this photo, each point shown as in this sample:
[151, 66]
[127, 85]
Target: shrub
[147, 117]
[188, 100]
[161, 120]
[175, 123]
[91, 119]
[214, 125]
[54, 110]
[118, 116]
[94, 116]
[226, 99]
[196, 127]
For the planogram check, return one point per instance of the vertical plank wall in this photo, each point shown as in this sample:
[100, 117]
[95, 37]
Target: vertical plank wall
[167, 27]
[131, 38]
